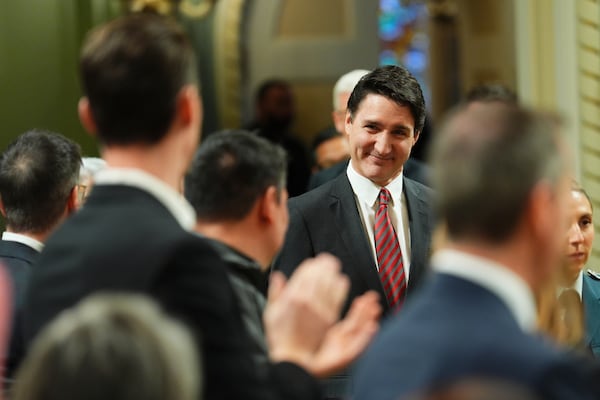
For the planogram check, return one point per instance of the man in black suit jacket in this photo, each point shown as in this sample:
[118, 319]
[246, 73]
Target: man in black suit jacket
[142, 102]
[245, 217]
[502, 188]
[38, 185]
[385, 113]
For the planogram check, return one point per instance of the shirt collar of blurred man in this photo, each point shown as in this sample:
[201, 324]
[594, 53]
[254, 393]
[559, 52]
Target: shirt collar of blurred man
[496, 278]
[181, 210]
[23, 239]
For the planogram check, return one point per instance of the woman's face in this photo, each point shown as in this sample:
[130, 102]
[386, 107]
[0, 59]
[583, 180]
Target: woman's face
[580, 234]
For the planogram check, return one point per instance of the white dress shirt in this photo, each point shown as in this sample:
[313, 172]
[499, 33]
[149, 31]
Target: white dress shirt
[577, 286]
[23, 239]
[498, 279]
[366, 195]
[173, 201]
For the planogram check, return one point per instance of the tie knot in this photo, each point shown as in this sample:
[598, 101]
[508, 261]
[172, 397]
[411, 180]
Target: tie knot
[384, 196]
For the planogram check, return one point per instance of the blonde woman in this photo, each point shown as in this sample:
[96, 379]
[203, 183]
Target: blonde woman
[570, 307]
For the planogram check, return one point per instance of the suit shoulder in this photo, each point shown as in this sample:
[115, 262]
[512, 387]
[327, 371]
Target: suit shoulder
[591, 282]
[418, 187]
[313, 197]
[592, 276]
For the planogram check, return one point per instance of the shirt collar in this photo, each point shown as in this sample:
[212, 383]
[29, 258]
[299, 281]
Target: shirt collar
[498, 279]
[577, 285]
[368, 192]
[173, 201]
[23, 239]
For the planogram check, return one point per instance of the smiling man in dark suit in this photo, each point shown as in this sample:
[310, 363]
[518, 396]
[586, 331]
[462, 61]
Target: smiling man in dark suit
[386, 112]
[38, 188]
[375, 220]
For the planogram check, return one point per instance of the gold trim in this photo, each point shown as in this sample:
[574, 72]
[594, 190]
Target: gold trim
[228, 61]
[162, 7]
[196, 10]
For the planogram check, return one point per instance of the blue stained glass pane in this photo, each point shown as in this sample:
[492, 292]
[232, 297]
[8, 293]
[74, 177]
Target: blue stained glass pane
[415, 60]
[403, 37]
[389, 6]
[388, 57]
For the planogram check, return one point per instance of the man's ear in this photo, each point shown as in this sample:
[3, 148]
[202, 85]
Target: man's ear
[188, 105]
[417, 136]
[2, 209]
[85, 116]
[268, 203]
[73, 202]
[348, 122]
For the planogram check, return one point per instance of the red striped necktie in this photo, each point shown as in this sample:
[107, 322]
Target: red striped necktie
[389, 254]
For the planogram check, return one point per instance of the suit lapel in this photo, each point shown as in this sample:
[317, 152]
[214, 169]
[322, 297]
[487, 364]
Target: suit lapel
[418, 225]
[349, 225]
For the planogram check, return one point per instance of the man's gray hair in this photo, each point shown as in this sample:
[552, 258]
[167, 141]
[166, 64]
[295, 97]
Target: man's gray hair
[486, 161]
[345, 84]
[112, 346]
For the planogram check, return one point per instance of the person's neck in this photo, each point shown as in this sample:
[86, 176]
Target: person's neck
[154, 160]
[512, 254]
[567, 280]
[239, 236]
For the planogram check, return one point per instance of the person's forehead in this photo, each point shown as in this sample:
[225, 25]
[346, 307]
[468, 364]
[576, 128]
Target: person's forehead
[375, 105]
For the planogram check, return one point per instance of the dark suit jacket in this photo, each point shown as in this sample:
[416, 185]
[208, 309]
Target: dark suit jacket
[591, 305]
[123, 239]
[19, 260]
[247, 278]
[455, 330]
[327, 220]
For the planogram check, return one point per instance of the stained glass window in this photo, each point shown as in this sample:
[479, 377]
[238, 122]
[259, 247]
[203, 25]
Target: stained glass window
[403, 37]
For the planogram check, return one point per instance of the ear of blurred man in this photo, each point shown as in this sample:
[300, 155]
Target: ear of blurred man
[85, 116]
[274, 214]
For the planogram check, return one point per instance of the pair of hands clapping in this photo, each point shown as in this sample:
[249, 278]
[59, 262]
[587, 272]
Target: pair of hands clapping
[301, 318]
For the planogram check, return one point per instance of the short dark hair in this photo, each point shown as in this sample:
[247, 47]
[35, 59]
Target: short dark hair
[230, 171]
[132, 70]
[37, 173]
[486, 162]
[397, 84]
[490, 92]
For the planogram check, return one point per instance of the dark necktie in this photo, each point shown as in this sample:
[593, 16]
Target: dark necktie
[389, 255]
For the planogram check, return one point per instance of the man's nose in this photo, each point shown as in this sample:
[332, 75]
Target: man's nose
[383, 143]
